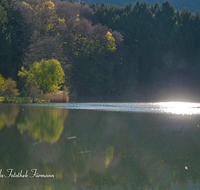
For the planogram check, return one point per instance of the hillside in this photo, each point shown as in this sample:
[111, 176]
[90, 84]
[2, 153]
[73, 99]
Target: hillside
[104, 50]
[192, 5]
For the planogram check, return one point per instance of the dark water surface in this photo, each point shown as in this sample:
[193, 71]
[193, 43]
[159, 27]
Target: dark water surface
[149, 146]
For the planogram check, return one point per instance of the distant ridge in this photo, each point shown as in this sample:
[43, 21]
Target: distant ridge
[192, 5]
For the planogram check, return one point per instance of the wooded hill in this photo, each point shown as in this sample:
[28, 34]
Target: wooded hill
[192, 5]
[104, 49]
[164, 42]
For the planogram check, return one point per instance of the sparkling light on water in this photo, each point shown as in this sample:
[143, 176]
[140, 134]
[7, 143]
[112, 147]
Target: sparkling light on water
[158, 107]
[180, 107]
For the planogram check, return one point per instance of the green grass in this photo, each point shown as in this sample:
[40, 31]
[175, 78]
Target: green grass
[16, 98]
[22, 99]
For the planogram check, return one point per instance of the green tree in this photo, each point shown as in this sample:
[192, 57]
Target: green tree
[10, 88]
[32, 89]
[48, 74]
[2, 84]
[13, 38]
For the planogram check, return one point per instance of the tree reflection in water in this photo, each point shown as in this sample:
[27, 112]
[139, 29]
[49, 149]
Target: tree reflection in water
[8, 115]
[43, 124]
[112, 150]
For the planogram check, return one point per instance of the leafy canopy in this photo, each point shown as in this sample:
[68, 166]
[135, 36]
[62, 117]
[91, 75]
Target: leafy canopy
[8, 87]
[48, 74]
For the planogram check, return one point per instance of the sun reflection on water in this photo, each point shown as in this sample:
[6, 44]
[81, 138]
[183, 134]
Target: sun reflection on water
[180, 107]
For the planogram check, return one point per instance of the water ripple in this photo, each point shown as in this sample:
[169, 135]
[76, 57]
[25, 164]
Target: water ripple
[158, 107]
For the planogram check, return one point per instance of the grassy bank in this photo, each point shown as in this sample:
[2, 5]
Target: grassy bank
[20, 99]
[57, 97]
[16, 99]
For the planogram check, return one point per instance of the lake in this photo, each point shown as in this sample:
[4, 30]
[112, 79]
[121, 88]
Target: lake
[147, 146]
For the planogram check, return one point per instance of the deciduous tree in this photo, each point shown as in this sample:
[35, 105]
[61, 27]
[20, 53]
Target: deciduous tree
[48, 75]
[10, 88]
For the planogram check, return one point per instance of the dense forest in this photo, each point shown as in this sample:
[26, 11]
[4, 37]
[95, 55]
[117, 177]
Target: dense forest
[104, 50]
[192, 5]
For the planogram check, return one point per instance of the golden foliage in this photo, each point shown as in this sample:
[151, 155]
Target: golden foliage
[110, 42]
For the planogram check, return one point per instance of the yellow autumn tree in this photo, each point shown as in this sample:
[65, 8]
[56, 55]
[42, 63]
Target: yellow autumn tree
[110, 42]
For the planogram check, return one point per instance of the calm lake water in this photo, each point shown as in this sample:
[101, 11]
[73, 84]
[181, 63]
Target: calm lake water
[147, 146]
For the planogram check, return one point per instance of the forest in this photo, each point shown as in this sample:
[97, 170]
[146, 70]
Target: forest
[192, 5]
[104, 50]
